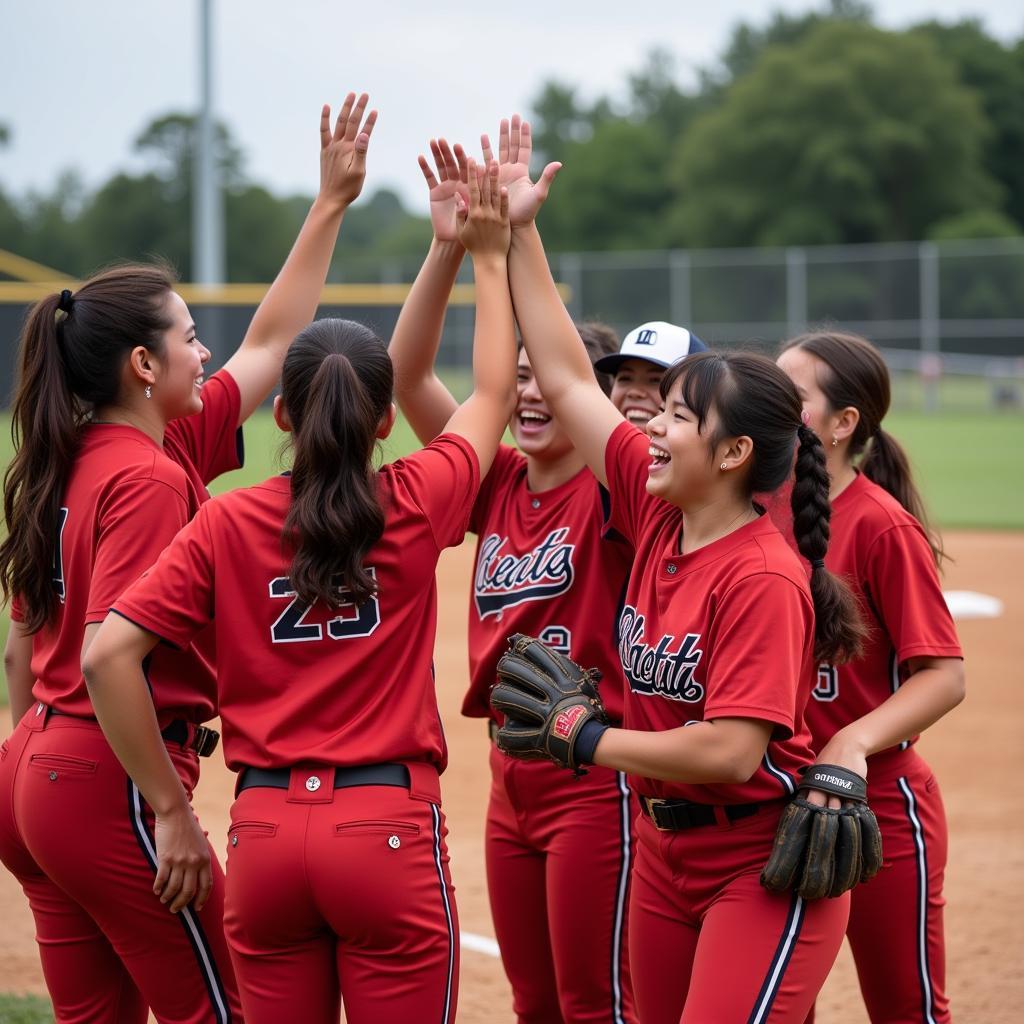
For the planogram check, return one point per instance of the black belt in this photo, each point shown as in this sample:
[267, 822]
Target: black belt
[344, 778]
[677, 815]
[203, 741]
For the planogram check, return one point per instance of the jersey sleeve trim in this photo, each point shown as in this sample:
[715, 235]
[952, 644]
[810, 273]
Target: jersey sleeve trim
[135, 620]
[773, 715]
[924, 650]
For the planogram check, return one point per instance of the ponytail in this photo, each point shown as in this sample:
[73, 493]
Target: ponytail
[839, 632]
[336, 386]
[854, 374]
[71, 353]
[45, 417]
[885, 463]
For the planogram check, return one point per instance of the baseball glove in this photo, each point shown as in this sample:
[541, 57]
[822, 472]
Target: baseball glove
[546, 700]
[821, 852]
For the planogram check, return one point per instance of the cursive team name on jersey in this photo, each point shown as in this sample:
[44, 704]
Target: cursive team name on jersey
[505, 580]
[658, 671]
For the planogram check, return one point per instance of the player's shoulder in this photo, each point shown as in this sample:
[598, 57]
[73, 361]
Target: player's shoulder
[874, 508]
[768, 557]
[123, 457]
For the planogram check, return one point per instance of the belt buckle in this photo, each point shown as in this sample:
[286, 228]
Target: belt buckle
[205, 740]
[651, 802]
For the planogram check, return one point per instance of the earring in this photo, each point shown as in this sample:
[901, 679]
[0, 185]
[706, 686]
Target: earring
[149, 391]
[835, 441]
[724, 466]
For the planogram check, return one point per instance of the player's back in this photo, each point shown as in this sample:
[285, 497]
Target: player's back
[340, 685]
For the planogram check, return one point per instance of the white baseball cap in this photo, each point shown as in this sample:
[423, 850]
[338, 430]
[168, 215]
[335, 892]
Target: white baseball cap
[656, 342]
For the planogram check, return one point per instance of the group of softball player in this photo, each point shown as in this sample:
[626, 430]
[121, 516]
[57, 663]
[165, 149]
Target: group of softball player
[735, 543]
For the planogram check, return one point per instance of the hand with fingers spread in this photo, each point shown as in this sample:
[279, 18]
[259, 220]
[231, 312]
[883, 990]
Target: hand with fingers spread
[452, 179]
[343, 151]
[183, 860]
[483, 223]
[515, 146]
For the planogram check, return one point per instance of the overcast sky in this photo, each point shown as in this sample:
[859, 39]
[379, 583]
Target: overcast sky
[78, 81]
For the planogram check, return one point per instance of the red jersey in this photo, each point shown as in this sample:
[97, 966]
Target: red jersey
[726, 631]
[883, 553]
[124, 500]
[314, 684]
[544, 568]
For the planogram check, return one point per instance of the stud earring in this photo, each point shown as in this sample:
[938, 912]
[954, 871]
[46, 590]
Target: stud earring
[149, 394]
[835, 441]
[723, 466]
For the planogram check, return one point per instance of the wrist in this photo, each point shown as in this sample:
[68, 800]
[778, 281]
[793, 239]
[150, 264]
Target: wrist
[449, 248]
[171, 806]
[490, 262]
[330, 206]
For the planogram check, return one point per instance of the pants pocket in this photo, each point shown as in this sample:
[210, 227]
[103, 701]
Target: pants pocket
[251, 830]
[376, 827]
[57, 766]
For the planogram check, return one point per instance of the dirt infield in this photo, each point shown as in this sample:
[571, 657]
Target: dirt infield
[975, 751]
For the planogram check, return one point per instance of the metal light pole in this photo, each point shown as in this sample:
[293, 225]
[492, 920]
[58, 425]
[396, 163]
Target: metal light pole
[207, 199]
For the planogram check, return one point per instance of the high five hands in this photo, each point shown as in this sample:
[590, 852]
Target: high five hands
[483, 222]
[515, 146]
[343, 151]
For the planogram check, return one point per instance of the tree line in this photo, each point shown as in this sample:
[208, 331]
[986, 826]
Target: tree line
[820, 128]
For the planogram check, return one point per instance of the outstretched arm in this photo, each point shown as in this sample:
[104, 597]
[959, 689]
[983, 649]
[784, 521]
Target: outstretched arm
[292, 299]
[557, 356]
[484, 231]
[421, 395]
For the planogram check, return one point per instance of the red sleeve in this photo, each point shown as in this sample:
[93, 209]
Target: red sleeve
[626, 460]
[444, 478]
[506, 461]
[212, 440]
[904, 586]
[174, 598]
[136, 520]
[759, 641]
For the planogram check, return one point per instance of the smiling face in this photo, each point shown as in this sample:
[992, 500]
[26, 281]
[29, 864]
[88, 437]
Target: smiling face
[179, 368]
[635, 391]
[536, 431]
[682, 468]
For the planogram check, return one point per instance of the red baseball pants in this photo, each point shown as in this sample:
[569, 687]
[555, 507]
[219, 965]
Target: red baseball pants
[342, 894]
[77, 835]
[895, 928]
[708, 944]
[559, 851]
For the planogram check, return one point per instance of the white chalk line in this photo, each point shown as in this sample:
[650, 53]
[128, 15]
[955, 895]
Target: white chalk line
[480, 944]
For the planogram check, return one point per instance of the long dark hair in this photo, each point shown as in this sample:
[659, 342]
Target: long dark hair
[336, 386]
[69, 363]
[753, 397]
[855, 375]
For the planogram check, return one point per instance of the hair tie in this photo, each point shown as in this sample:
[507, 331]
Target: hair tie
[817, 563]
[66, 302]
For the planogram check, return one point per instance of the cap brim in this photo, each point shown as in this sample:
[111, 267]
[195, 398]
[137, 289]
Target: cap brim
[611, 364]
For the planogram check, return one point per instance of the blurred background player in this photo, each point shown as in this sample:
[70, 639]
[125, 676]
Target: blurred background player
[866, 715]
[321, 588]
[117, 436]
[543, 566]
[637, 368]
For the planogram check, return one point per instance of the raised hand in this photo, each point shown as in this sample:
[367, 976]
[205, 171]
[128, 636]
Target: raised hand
[343, 151]
[483, 223]
[515, 146]
[452, 179]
